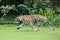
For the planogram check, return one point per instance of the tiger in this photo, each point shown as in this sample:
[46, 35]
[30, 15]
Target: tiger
[31, 19]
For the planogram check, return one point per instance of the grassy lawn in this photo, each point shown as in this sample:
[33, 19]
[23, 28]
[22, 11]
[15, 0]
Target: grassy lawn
[9, 32]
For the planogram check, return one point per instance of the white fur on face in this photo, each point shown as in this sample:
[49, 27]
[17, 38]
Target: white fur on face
[20, 19]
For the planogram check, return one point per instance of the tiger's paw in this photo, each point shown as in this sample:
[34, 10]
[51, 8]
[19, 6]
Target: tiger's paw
[18, 28]
[36, 29]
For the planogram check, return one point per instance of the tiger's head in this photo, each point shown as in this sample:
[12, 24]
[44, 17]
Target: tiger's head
[18, 19]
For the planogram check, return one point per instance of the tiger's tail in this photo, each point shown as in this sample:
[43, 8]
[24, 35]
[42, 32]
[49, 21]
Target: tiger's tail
[50, 24]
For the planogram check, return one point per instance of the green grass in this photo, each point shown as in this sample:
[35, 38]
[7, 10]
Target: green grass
[9, 32]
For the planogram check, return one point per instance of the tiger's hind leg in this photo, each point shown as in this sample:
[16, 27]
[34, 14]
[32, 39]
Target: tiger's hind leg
[50, 24]
[38, 26]
[33, 27]
[31, 24]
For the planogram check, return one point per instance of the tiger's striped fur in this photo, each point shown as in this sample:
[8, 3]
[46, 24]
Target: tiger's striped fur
[30, 19]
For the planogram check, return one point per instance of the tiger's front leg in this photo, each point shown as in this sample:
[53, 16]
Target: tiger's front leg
[21, 25]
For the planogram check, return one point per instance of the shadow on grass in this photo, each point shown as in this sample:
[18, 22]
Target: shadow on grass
[26, 31]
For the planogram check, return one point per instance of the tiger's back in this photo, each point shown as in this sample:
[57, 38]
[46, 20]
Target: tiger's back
[31, 17]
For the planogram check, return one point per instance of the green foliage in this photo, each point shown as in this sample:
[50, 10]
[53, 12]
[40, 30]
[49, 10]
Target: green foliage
[5, 9]
[56, 20]
[25, 8]
[47, 12]
[31, 7]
